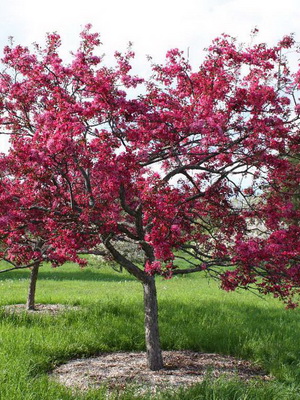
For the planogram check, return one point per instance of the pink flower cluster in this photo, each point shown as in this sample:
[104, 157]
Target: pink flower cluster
[91, 164]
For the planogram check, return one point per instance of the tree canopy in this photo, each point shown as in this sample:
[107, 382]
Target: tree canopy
[195, 166]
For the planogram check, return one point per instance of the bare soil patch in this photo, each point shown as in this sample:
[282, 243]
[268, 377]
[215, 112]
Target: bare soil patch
[40, 308]
[182, 368]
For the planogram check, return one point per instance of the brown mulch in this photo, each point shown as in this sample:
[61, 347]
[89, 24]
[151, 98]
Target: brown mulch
[182, 368]
[39, 308]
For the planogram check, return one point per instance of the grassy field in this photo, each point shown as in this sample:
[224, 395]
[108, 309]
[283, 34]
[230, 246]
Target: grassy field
[194, 314]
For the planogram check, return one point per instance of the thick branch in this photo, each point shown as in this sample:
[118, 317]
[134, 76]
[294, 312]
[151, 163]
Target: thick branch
[16, 267]
[124, 262]
[124, 205]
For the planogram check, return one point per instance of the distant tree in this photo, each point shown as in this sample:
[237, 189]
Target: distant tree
[161, 169]
[27, 240]
[293, 184]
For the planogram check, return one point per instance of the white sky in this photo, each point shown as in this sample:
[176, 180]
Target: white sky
[153, 26]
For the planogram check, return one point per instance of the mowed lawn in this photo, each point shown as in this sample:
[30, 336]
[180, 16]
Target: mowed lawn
[194, 314]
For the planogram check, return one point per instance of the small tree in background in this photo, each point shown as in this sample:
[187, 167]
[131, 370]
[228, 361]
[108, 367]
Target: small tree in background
[27, 240]
[162, 169]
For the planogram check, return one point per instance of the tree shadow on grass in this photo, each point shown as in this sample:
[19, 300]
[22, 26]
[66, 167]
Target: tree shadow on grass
[58, 275]
[268, 336]
[264, 334]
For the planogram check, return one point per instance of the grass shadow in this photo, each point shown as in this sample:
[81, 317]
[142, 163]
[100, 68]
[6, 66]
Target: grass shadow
[80, 275]
[268, 336]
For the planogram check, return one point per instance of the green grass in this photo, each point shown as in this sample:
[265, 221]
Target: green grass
[194, 314]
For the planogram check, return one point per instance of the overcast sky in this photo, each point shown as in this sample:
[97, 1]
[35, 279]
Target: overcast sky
[153, 26]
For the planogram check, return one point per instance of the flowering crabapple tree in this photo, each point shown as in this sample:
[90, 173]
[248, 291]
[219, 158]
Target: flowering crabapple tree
[195, 167]
[27, 238]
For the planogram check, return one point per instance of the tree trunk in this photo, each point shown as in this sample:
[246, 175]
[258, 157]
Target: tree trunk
[154, 354]
[32, 287]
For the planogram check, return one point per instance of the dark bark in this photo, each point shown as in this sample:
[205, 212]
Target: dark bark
[154, 354]
[32, 287]
[124, 262]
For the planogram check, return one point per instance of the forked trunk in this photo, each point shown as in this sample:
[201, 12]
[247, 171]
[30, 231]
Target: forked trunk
[32, 287]
[154, 354]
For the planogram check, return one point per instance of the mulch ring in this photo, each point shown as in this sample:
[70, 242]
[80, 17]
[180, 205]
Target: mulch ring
[182, 369]
[40, 308]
